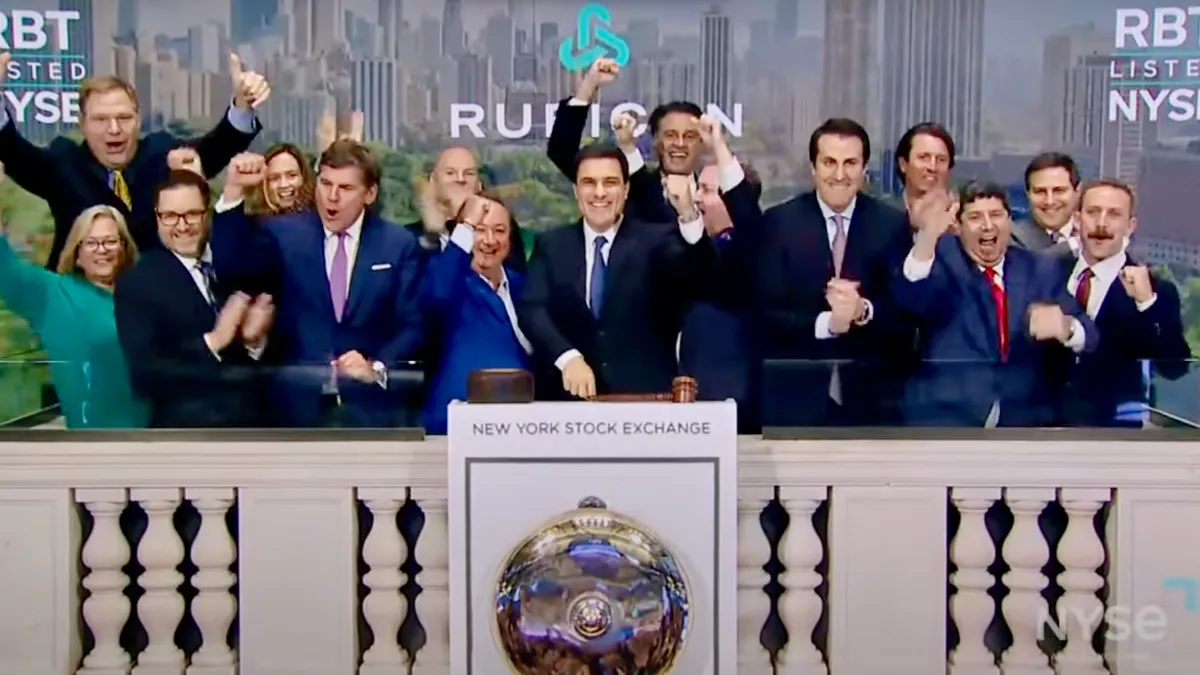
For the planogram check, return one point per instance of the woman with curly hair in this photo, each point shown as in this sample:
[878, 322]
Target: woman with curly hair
[288, 185]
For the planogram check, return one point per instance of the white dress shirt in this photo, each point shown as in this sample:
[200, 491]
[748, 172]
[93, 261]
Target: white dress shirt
[192, 265]
[1104, 274]
[1068, 234]
[464, 238]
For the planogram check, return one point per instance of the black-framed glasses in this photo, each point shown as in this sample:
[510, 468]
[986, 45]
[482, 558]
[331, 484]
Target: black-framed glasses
[107, 244]
[172, 218]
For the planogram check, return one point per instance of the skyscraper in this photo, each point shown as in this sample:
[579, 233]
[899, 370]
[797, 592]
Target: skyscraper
[716, 48]
[249, 18]
[787, 19]
[849, 53]
[391, 19]
[453, 38]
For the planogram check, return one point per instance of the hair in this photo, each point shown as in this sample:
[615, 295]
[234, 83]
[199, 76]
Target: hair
[259, 203]
[974, 191]
[1053, 160]
[67, 262]
[602, 151]
[180, 179]
[904, 147]
[346, 153]
[685, 107]
[839, 126]
[1110, 183]
[104, 84]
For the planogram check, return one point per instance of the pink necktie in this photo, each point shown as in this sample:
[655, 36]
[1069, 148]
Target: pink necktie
[339, 273]
[839, 243]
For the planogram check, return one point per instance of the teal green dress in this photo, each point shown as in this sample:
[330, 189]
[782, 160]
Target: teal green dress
[74, 320]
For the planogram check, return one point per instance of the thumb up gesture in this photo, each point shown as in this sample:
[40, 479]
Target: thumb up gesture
[250, 89]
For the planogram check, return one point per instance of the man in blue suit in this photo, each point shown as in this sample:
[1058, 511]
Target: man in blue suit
[997, 328]
[469, 291]
[348, 315]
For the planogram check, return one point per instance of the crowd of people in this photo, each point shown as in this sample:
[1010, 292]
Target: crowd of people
[292, 302]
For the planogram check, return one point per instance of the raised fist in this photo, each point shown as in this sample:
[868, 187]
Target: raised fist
[247, 169]
[185, 159]
[625, 127]
[603, 71]
[250, 89]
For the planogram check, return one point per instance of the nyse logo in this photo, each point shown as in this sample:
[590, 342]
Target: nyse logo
[593, 39]
[1159, 27]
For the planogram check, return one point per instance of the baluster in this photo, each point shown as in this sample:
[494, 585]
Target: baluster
[161, 608]
[1026, 553]
[1081, 553]
[754, 606]
[213, 552]
[432, 604]
[971, 608]
[384, 606]
[106, 609]
[800, 551]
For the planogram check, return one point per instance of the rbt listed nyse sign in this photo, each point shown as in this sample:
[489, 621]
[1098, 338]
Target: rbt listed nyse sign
[1154, 73]
[42, 80]
[594, 38]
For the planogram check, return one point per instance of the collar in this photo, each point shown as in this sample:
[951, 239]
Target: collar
[1065, 231]
[354, 231]
[1106, 269]
[503, 286]
[847, 213]
[999, 267]
[190, 262]
[590, 234]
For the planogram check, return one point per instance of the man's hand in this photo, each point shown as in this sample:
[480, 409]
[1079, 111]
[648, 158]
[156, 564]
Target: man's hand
[228, 322]
[624, 128]
[578, 379]
[603, 71]
[1136, 281]
[933, 214]
[475, 210]
[250, 89]
[1047, 322]
[259, 317]
[328, 131]
[246, 170]
[845, 304]
[680, 192]
[5, 58]
[355, 366]
[185, 158]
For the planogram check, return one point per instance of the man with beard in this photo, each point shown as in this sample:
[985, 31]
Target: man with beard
[1137, 313]
[1051, 181]
[997, 329]
[925, 155]
[673, 125]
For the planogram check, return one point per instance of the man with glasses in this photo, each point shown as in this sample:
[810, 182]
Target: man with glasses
[191, 340]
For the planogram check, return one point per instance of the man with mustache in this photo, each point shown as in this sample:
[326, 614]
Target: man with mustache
[925, 155]
[1137, 313]
[673, 125]
[997, 329]
[1051, 182]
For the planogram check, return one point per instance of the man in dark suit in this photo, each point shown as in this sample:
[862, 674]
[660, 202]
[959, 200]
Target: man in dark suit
[603, 297]
[349, 321]
[114, 165]
[1137, 314]
[817, 271]
[191, 340]
[1051, 183]
[673, 125]
[997, 329]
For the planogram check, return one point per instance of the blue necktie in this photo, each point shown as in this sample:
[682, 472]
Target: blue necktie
[599, 267]
[210, 283]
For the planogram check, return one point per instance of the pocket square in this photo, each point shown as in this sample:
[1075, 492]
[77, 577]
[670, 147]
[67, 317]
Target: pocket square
[381, 266]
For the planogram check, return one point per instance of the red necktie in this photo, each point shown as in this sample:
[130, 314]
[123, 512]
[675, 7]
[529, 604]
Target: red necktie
[1001, 303]
[1084, 290]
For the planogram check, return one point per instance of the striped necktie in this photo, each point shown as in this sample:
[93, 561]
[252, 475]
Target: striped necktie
[121, 188]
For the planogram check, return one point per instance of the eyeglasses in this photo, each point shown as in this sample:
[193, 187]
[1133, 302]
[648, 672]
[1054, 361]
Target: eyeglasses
[94, 245]
[171, 218]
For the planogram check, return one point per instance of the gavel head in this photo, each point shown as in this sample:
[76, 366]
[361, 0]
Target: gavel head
[684, 389]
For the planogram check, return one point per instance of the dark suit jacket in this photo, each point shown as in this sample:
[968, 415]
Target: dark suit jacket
[69, 178]
[1112, 375]
[784, 257]
[646, 199]
[1030, 236]
[961, 375]
[161, 321]
[477, 331]
[652, 274]
[382, 320]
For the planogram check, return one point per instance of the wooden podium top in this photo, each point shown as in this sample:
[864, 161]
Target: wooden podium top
[512, 385]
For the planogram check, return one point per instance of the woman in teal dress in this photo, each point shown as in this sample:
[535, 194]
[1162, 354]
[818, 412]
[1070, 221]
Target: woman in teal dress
[71, 311]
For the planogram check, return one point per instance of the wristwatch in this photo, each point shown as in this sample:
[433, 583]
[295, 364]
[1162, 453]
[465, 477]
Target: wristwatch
[381, 374]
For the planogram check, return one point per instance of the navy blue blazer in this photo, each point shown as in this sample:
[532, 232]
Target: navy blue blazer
[961, 374]
[474, 325]
[382, 320]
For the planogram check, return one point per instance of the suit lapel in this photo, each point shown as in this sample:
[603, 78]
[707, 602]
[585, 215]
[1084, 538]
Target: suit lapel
[576, 262]
[313, 258]
[175, 270]
[490, 297]
[362, 282]
[621, 248]
[857, 240]
[1017, 297]
[981, 296]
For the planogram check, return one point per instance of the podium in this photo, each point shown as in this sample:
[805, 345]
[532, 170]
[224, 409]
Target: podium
[673, 468]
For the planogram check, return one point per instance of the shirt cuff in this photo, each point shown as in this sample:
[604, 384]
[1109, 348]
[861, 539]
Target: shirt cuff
[208, 343]
[578, 102]
[381, 374]
[1078, 339]
[868, 313]
[257, 351]
[562, 361]
[463, 237]
[917, 270]
[731, 176]
[635, 160]
[242, 120]
[822, 326]
[692, 230]
[224, 205]
[1143, 306]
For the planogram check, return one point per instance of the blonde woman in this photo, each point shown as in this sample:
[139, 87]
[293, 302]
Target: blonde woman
[71, 311]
